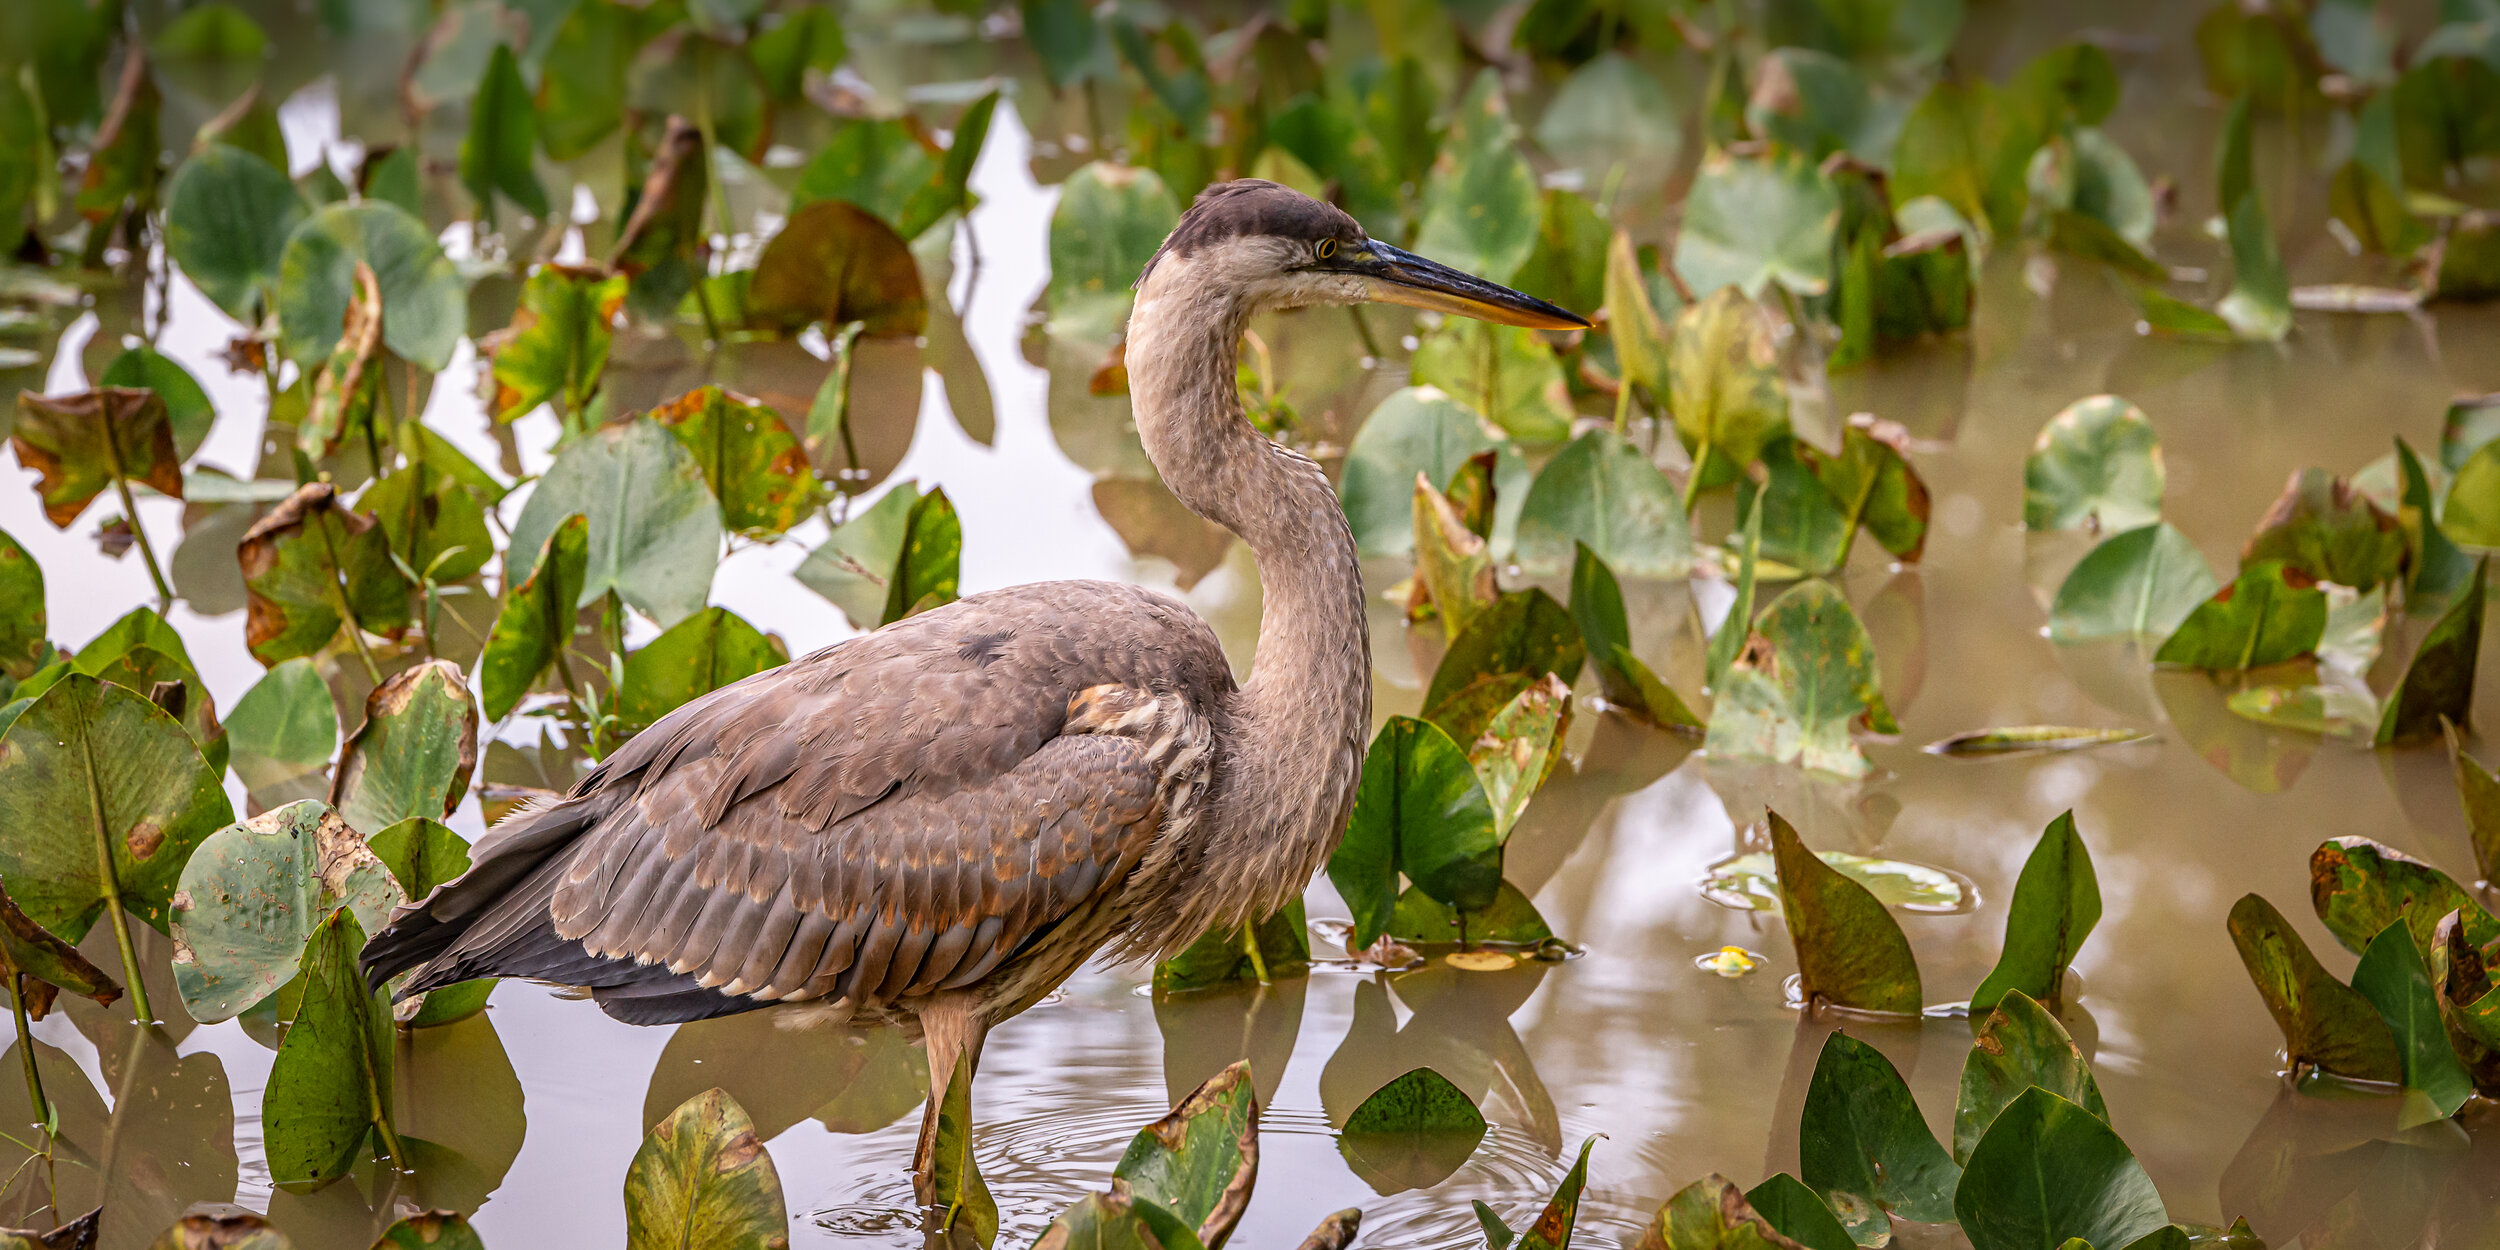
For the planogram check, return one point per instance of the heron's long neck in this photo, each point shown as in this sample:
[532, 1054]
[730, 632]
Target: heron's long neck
[1293, 748]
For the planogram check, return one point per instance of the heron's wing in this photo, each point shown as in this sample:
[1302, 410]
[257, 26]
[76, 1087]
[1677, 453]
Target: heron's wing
[922, 892]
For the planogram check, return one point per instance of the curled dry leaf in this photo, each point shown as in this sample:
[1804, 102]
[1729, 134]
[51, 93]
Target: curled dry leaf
[78, 445]
[349, 384]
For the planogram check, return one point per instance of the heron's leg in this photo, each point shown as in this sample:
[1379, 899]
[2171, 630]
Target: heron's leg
[952, 1027]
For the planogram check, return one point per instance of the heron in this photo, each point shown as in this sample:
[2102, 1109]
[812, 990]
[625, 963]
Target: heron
[934, 824]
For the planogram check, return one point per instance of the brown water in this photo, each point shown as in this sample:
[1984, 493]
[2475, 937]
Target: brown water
[545, 1099]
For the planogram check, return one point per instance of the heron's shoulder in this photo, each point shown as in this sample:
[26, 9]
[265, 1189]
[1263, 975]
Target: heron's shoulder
[1082, 632]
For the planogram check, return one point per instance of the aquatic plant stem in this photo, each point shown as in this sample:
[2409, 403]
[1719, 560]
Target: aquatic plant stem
[1692, 481]
[1250, 947]
[347, 611]
[108, 879]
[26, 1050]
[130, 513]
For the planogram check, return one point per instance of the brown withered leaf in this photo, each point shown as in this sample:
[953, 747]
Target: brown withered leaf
[78, 444]
[836, 263]
[668, 217]
[302, 562]
[42, 963]
[350, 382]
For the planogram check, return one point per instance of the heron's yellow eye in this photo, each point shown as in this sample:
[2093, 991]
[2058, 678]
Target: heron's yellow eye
[1327, 249]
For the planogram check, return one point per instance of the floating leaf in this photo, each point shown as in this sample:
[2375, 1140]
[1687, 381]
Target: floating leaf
[81, 444]
[834, 263]
[495, 157]
[1850, 951]
[1799, 1214]
[1606, 632]
[2049, 1172]
[304, 562]
[2268, 615]
[1507, 373]
[23, 648]
[2057, 901]
[2323, 527]
[702, 1181]
[536, 623]
[1419, 811]
[1109, 221]
[2326, 710]
[1970, 144]
[2095, 465]
[749, 457]
[1864, 1147]
[1803, 526]
[94, 772]
[1806, 676]
[1521, 638]
[1411, 1133]
[425, 307]
[431, 1230]
[1755, 220]
[2325, 1023]
[330, 1085]
[1223, 956]
[1421, 430]
[2140, 584]
[558, 348]
[1199, 1161]
[1603, 494]
[414, 753]
[2393, 976]
[2438, 682]
[1510, 920]
[1119, 1220]
[1724, 385]
[655, 530]
[694, 657]
[2019, 1045]
[2031, 740]
[254, 893]
[1480, 202]
[1750, 882]
[2359, 887]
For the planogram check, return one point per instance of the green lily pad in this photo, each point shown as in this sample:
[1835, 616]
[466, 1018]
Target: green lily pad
[861, 559]
[536, 621]
[1877, 488]
[1807, 675]
[330, 1086]
[558, 348]
[1970, 144]
[1724, 385]
[702, 1181]
[1752, 221]
[1799, 1213]
[2019, 1045]
[1863, 1146]
[1522, 637]
[1803, 526]
[495, 156]
[434, 524]
[1480, 200]
[2057, 901]
[2438, 682]
[1750, 882]
[1507, 373]
[1222, 957]
[1850, 951]
[1421, 430]
[1612, 111]
[414, 753]
[305, 559]
[1199, 1161]
[425, 307]
[2095, 465]
[749, 457]
[2325, 1023]
[655, 530]
[1412, 1133]
[1602, 493]
[2140, 584]
[1509, 920]
[1109, 222]
[694, 657]
[2268, 615]
[2049, 1172]
[254, 893]
[1418, 811]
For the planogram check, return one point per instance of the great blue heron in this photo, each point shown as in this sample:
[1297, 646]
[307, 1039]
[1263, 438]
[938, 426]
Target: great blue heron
[935, 824]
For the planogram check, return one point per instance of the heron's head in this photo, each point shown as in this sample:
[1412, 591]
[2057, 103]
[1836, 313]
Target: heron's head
[1260, 245]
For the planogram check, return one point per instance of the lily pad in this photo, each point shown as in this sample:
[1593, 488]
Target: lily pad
[330, 1086]
[2359, 887]
[2323, 527]
[1421, 430]
[1750, 882]
[2096, 465]
[2140, 584]
[228, 215]
[2019, 1045]
[1876, 487]
[1724, 385]
[536, 622]
[1507, 373]
[1519, 749]
[749, 457]
[414, 753]
[2325, 1023]
[558, 347]
[495, 156]
[2438, 682]
[2268, 615]
[187, 406]
[2259, 304]
[1199, 1161]
[1863, 1146]
[1799, 1213]
[1807, 675]
[1803, 526]
[2049, 1172]
[1750, 221]
[1480, 201]
[1628, 683]
[1510, 920]
[1602, 493]
[425, 307]
[1521, 638]
[862, 562]
[1613, 111]
[305, 560]
[702, 1181]
[2479, 791]
[2057, 901]
[1109, 222]
[254, 893]
[655, 530]
[834, 263]
[434, 523]
[1223, 956]
[1711, 1214]
[2396, 980]
[1850, 951]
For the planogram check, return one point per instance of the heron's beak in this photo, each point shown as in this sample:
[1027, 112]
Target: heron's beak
[1397, 276]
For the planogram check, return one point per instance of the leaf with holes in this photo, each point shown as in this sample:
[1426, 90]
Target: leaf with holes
[254, 893]
[305, 561]
[749, 457]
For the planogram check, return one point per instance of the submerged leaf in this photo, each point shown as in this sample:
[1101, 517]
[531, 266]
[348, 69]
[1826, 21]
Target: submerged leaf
[1864, 1147]
[702, 1181]
[2095, 465]
[2019, 1045]
[2325, 1024]
[1850, 951]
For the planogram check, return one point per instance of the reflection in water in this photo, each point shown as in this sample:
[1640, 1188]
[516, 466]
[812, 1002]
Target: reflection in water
[790, 1065]
[1206, 1031]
